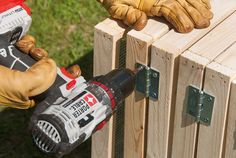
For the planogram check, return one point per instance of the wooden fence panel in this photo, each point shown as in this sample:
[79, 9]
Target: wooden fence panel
[229, 150]
[217, 83]
[183, 129]
[138, 50]
[148, 117]
[208, 48]
[211, 137]
[227, 59]
[106, 49]
[191, 72]
[230, 142]
[164, 58]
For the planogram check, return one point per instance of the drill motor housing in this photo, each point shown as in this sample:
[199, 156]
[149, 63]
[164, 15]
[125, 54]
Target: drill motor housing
[71, 110]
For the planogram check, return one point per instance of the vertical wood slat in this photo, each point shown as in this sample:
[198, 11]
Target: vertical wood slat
[106, 42]
[230, 136]
[138, 50]
[223, 77]
[217, 83]
[230, 142]
[164, 58]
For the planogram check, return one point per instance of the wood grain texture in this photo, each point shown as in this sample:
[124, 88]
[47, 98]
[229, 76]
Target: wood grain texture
[218, 80]
[165, 59]
[106, 40]
[208, 51]
[228, 59]
[230, 139]
[138, 50]
[191, 72]
[217, 83]
[212, 136]
[178, 42]
[222, 37]
[181, 133]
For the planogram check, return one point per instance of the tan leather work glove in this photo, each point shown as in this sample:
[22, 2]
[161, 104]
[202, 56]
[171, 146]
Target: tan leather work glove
[16, 87]
[183, 14]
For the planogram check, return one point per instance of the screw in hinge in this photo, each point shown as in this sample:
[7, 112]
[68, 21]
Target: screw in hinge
[154, 94]
[206, 119]
[155, 75]
[209, 99]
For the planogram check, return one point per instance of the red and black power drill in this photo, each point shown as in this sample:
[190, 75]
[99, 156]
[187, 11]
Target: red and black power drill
[71, 110]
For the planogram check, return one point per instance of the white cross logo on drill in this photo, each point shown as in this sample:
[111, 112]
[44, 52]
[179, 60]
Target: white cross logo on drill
[90, 100]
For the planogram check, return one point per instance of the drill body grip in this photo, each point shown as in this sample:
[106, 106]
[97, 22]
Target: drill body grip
[14, 59]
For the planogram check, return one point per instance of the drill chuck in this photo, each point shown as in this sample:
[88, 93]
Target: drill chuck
[121, 83]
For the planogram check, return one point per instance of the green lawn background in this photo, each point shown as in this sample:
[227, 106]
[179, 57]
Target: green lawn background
[65, 29]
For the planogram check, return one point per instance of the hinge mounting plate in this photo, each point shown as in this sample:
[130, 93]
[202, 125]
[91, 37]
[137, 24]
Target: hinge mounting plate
[200, 105]
[147, 81]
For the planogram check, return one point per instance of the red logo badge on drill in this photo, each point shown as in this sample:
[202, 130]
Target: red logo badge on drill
[90, 100]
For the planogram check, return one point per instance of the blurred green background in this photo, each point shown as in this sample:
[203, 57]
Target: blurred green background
[65, 29]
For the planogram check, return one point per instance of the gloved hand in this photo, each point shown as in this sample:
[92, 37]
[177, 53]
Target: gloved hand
[183, 14]
[16, 87]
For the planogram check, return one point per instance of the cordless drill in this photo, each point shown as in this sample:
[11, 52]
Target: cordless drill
[71, 110]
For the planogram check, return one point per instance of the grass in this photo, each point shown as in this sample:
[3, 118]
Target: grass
[65, 30]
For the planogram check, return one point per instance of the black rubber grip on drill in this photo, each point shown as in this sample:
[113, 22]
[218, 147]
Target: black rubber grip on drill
[12, 58]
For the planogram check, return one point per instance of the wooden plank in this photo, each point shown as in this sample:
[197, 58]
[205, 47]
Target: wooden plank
[179, 42]
[227, 32]
[217, 83]
[229, 150]
[165, 59]
[230, 142]
[221, 92]
[106, 49]
[184, 127]
[138, 49]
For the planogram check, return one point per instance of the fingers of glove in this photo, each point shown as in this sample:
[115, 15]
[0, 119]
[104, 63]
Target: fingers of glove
[204, 11]
[74, 70]
[29, 38]
[118, 11]
[36, 79]
[177, 16]
[26, 44]
[141, 22]
[135, 18]
[129, 15]
[207, 3]
[12, 92]
[17, 103]
[38, 53]
[40, 76]
[197, 18]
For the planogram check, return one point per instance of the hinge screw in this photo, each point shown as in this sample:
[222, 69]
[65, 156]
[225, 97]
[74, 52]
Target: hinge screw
[209, 99]
[206, 119]
[155, 75]
[154, 94]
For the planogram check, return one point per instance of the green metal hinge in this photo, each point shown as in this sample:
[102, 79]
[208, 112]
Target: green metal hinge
[200, 105]
[147, 81]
